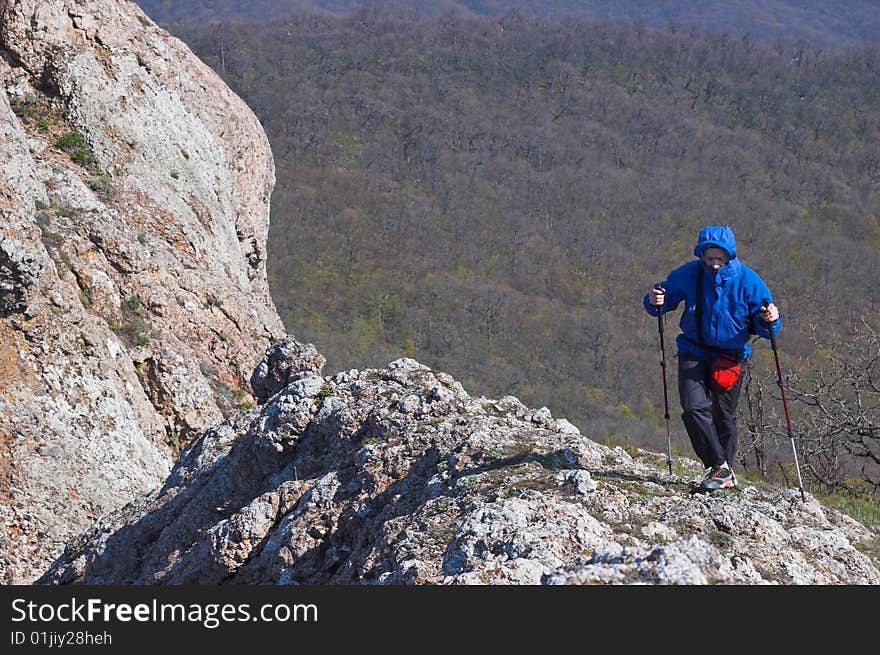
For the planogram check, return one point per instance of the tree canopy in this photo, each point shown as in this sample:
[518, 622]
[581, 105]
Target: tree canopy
[495, 195]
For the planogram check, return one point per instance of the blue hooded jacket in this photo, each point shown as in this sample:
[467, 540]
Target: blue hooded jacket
[732, 299]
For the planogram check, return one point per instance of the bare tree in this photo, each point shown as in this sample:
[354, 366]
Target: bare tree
[836, 407]
[755, 439]
[841, 399]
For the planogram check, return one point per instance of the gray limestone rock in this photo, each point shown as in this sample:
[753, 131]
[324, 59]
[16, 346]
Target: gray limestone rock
[19, 272]
[281, 364]
[134, 209]
[339, 480]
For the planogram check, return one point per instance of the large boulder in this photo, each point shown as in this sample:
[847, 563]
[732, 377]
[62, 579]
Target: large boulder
[283, 363]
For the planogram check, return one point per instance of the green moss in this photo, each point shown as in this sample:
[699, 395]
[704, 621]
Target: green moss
[172, 438]
[25, 107]
[83, 156]
[134, 305]
[325, 391]
[133, 327]
[100, 184]
[443, 503]
[71, 140]
[74, 144]
[466, 482]
[720, 540]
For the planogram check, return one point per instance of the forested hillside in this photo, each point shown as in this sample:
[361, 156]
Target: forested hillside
[829, 25]
[494, 196]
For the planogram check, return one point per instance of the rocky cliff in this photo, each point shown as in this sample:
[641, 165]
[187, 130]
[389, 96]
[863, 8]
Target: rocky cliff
[399, 476]
[134, 190]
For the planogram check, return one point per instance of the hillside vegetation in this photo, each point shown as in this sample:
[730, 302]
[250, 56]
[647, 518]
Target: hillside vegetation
[831, 26]
[494, 196]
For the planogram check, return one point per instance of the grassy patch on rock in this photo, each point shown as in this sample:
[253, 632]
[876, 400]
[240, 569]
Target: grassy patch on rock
[861, 502]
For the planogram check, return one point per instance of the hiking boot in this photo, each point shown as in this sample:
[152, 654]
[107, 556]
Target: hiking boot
[719, 478]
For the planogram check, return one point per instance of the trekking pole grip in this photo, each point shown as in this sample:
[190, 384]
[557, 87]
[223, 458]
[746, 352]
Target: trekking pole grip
[658, 287]
[766, 304]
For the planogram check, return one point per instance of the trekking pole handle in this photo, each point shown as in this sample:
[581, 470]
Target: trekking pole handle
[658, 287]
[766, 304]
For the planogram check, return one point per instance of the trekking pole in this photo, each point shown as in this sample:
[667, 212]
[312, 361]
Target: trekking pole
[785, 404]
[665, 399]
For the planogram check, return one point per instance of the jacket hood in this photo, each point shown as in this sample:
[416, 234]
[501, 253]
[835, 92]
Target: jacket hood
[718, 236]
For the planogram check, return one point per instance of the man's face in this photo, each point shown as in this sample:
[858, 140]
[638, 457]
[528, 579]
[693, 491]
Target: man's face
[715, 258]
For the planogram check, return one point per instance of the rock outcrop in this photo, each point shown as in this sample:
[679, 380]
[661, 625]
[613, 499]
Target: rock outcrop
[134, 191]
[399, 476]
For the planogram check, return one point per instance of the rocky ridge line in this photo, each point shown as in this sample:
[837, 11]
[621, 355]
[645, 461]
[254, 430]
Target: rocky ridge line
[399, 476]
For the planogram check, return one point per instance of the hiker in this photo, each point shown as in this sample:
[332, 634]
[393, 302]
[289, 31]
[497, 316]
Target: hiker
[724, 306]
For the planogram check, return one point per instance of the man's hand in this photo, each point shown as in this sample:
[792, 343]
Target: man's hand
[769, 313]
[657, 296]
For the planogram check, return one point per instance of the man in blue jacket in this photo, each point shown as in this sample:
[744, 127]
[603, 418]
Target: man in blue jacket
[724, 305]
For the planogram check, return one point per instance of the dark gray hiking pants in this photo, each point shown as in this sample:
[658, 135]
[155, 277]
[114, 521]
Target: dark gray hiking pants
[709, 416]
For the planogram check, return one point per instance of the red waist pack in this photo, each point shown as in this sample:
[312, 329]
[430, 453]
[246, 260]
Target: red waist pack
[725, 371]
